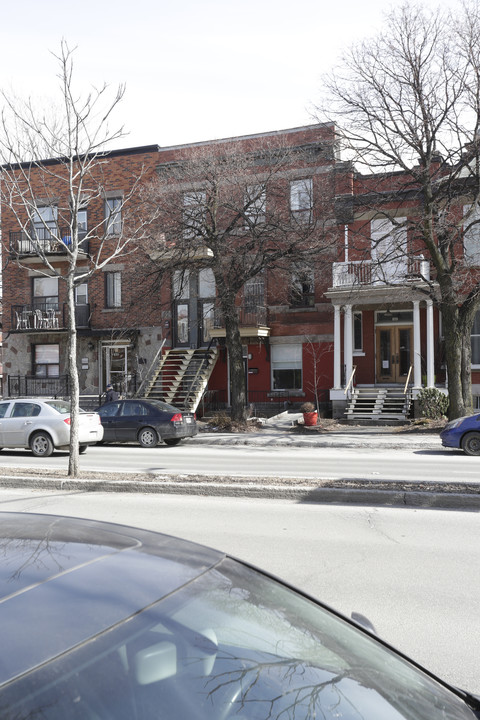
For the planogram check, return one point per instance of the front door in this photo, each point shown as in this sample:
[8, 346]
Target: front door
[193, 307]
[394, 353]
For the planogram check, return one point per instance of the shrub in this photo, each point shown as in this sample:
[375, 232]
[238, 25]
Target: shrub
[433, 403]
[307, 407]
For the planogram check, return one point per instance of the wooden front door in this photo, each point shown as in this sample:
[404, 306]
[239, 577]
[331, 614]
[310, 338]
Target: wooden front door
[394, 353]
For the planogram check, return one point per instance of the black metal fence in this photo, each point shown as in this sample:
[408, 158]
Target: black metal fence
[27, 385]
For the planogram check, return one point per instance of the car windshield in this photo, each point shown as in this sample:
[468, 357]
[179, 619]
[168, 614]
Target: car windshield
[232, 644]
[61, 406]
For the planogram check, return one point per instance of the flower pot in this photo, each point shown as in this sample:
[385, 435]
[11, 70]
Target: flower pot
[310, 418]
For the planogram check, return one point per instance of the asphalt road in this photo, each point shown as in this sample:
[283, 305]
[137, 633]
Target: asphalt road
[412, 572]
[267, 462]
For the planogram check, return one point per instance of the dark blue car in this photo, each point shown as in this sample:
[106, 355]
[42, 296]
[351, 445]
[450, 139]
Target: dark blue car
[147, 422]
[463, 433]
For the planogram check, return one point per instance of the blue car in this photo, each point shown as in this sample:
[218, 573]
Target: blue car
[463, 433]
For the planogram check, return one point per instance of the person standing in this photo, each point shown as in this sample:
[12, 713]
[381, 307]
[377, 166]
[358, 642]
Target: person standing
[111, 394]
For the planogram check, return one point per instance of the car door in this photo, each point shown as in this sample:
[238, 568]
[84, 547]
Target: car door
[131, 419]
[17, 425]
[109, 417]
[3, 411]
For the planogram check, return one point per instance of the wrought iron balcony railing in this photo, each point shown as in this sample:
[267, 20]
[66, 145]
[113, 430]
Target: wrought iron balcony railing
[370, 272]
[248, 316]
[50, 242]
[46, 315]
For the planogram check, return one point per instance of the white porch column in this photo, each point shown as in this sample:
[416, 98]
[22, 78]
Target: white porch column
[417, 351]
[348, 342]
[337, 349]
[430, 346]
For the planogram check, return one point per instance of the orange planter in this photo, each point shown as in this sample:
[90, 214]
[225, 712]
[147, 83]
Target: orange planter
[310, 418]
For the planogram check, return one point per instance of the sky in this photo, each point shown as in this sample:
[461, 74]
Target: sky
[194, 69]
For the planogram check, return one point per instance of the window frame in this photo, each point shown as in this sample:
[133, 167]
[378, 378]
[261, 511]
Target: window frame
[302, 288]
[113, 290]
[476, 336]
[49, 366]
[44, 302]
[255, 207]
[357, 350]
[300, 189]
[294, 365]
[113, 215]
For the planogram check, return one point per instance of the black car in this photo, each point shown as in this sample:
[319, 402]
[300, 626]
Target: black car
[105, 622]
[147, 422]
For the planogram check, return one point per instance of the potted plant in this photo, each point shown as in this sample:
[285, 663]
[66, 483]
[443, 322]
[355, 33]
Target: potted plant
[310, 415]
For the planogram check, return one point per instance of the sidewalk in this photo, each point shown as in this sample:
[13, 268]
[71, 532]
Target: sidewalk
[281, 431]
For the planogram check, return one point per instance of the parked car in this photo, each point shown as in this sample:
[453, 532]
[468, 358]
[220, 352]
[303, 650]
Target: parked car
[103, 621]
[43, 425]
[147, 422]
[463, 433]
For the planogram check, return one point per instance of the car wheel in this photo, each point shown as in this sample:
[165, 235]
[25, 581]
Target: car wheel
[172, 441]
[41, 444]
[82, 449]
[147, 437]
[471, 443]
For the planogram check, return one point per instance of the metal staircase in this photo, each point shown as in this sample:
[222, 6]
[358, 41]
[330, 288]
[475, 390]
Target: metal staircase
[379, 404]
[181, 376]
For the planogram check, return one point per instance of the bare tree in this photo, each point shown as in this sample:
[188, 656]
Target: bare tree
[409, 104]
[74, 137]
[224, 207]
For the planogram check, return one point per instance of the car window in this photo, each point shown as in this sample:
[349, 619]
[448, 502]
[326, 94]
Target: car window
[133, 408]
[163, 406]
[3, 409]
[61, 406]
[22, 409]
[109, 410]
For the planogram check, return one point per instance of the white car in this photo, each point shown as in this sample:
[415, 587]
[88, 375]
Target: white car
[44, 425]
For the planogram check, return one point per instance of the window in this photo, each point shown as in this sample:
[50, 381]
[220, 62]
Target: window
[471, 237]
[194, 213]
[47, 360]
[357, 332]
[254, 295]
[476, 340]
[81, 294]
[45, 293]
[45, 222]
[301, 199]
[113, 289]
[286, 367]
[302, 288]
[113, 215]
[255, 205]
[82, 223]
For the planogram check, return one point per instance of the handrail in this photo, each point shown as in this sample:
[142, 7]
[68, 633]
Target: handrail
[204, 361]
[137, 394]
[350, 382]
[408, 379]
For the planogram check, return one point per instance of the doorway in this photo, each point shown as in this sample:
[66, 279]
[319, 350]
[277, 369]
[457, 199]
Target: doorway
[394, 353]
[193, 307]
[115, 367]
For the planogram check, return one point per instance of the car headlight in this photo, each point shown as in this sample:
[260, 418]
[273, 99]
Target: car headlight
[454, 423]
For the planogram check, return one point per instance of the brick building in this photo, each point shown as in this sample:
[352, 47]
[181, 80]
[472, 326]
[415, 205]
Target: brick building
[303, 335]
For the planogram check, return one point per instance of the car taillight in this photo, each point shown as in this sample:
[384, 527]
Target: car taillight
[67, 421]
[176, 418]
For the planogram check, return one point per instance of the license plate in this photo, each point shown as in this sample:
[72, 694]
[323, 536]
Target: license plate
[188, 420]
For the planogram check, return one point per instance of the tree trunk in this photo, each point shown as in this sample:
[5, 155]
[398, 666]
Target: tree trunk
[453, 330]
[235, 354]
[73, 376]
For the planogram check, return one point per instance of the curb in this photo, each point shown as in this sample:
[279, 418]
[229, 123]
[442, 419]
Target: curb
[300, 493]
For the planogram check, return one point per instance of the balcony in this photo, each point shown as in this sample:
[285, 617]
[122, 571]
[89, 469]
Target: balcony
[252, 320]
[39, 317]
[368, 272]
[47, 241]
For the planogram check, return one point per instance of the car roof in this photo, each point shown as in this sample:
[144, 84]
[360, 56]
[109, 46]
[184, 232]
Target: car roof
[66, 580]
